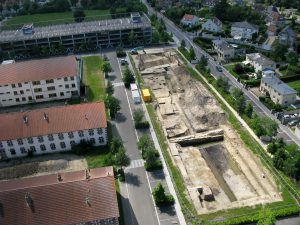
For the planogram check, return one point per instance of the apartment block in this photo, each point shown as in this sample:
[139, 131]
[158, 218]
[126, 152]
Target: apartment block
[39, 81]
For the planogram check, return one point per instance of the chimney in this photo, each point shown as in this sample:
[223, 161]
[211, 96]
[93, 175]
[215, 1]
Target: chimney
[29, 201]
[25, 119]
[87, 174]
[46, 117]
[59, 177]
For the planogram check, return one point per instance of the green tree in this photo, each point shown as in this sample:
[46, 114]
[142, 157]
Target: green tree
[74, 2]
[138, 116]
[240, 101]
[221, 9]
[182, 44]
[192, 53]
[223, 84]
[249, 109]
[264, 126]
[106, 68]
[203, 62]
[121, 159]
[160, 196]
[128, 77]
[115, 145]
[145, 142]
[113, 104]
[279, 159]
[109, 88]
[292, 58]
[279, 51]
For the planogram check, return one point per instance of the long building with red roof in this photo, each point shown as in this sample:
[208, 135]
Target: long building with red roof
[78, 198]
[52, 129]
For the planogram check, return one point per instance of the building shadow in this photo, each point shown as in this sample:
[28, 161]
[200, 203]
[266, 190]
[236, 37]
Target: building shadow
[127, 216]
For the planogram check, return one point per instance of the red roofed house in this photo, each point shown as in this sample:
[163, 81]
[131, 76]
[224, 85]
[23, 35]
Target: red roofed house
[52, 129]
[39, 80]
[77, 198]
[189, 20]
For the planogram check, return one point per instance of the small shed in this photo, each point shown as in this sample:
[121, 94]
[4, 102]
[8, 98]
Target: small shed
[136, 96]
[133, 87]
[146, 95]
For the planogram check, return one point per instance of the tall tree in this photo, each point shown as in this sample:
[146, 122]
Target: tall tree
[113, 104]
[78, 15]
[106, 68]
[192, 53]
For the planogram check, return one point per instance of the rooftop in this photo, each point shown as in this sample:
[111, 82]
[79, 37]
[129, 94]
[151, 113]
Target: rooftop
[73, 28]
[39, 69]
[65, 198]
[278, 85]
[259, 59]
[223, 44]
[245, 24]
[52, 120]
[188, 17]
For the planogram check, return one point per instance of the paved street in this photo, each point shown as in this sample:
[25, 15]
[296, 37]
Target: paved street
[258, 107]
[137, 202]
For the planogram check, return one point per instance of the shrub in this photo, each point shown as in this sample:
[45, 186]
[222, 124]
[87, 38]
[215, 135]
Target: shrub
[157, 164]
[160, 197]
[82, 148]
[239, 69]
[120, 52]
[142, 125]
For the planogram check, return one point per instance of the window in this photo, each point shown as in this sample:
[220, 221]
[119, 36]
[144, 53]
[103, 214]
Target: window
[73, 85]
[23, 150]
[12, 151]
[30, 140]
[62, 144]
[80, 133]
[49, 81]
[32, 148]
[23, 99]
[92, 140]
[62, 94]
[39, 97]
[74, 93]
[27, 90]
[37, 90]
[91, 132]
[71, 135]
[72, 143]
[13, 85]
[53, 95]
[52, 88]
[65, 79]
[1, 145]
[101, 139]
[66, 86]
[72, 78]
[99, 131]
[36, 82]
[43, 147]
[50, 137]
[19, 85]
[40, 139]
[20, 142]
[9, 143]
[17, 100]
[21, 92]
[29, 98]
[60, 136]
[15, 93]
[52, 146]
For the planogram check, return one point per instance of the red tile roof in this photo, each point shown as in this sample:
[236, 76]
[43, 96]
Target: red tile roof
[73, 200]
[188, 17]
[60, 119]
[40, 69]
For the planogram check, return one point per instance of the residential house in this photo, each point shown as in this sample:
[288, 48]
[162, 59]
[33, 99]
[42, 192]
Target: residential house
[213, 25]
[272, 30]
[274, 16]
[260, 62]
[189, 20]
[287, 37]
[50, 130]
[80, 198]
[39, 80]
[224, 50]
[243, 30]
[280, 92]
[209, 3]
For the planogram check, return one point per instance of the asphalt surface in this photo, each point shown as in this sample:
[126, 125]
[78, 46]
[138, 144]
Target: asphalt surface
[179, 35]
[137, 202]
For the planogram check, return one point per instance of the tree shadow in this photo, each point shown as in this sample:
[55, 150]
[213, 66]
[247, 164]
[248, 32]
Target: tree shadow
[167, 209]
[132, 179]
[157, 174]
[120, 117]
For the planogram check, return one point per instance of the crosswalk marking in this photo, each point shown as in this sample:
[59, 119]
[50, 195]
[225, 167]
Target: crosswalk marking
[136, 164]
[118, 84]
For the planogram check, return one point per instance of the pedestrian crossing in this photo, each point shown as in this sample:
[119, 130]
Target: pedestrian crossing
[136, 164]
[118, 84]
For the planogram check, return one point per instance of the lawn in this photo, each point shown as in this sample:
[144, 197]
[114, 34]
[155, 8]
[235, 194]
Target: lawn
[53, 18]
[230, 68]
[93, 78]
[295, 85]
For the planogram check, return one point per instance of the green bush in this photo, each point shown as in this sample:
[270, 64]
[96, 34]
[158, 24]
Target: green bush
[142, 125]
[157, 164]
[160, 197]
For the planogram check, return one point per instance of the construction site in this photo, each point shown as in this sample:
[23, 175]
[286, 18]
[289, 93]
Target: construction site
[218, 170]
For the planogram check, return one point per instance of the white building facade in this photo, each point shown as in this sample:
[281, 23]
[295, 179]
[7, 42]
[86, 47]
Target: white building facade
[243, 30]
[260, 62]
[190, 20]
[55, 129]
[25, 83]
[213, 25]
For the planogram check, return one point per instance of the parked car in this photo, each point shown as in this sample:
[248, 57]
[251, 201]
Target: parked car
[124, 62]
[219, 69]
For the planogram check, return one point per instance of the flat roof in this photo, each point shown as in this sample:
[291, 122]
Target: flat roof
[74, 199]
[74, 28]
[60, 119]
[38, 69]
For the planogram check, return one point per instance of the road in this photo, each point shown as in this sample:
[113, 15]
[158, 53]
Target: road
[137, 202]
[179, 35]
